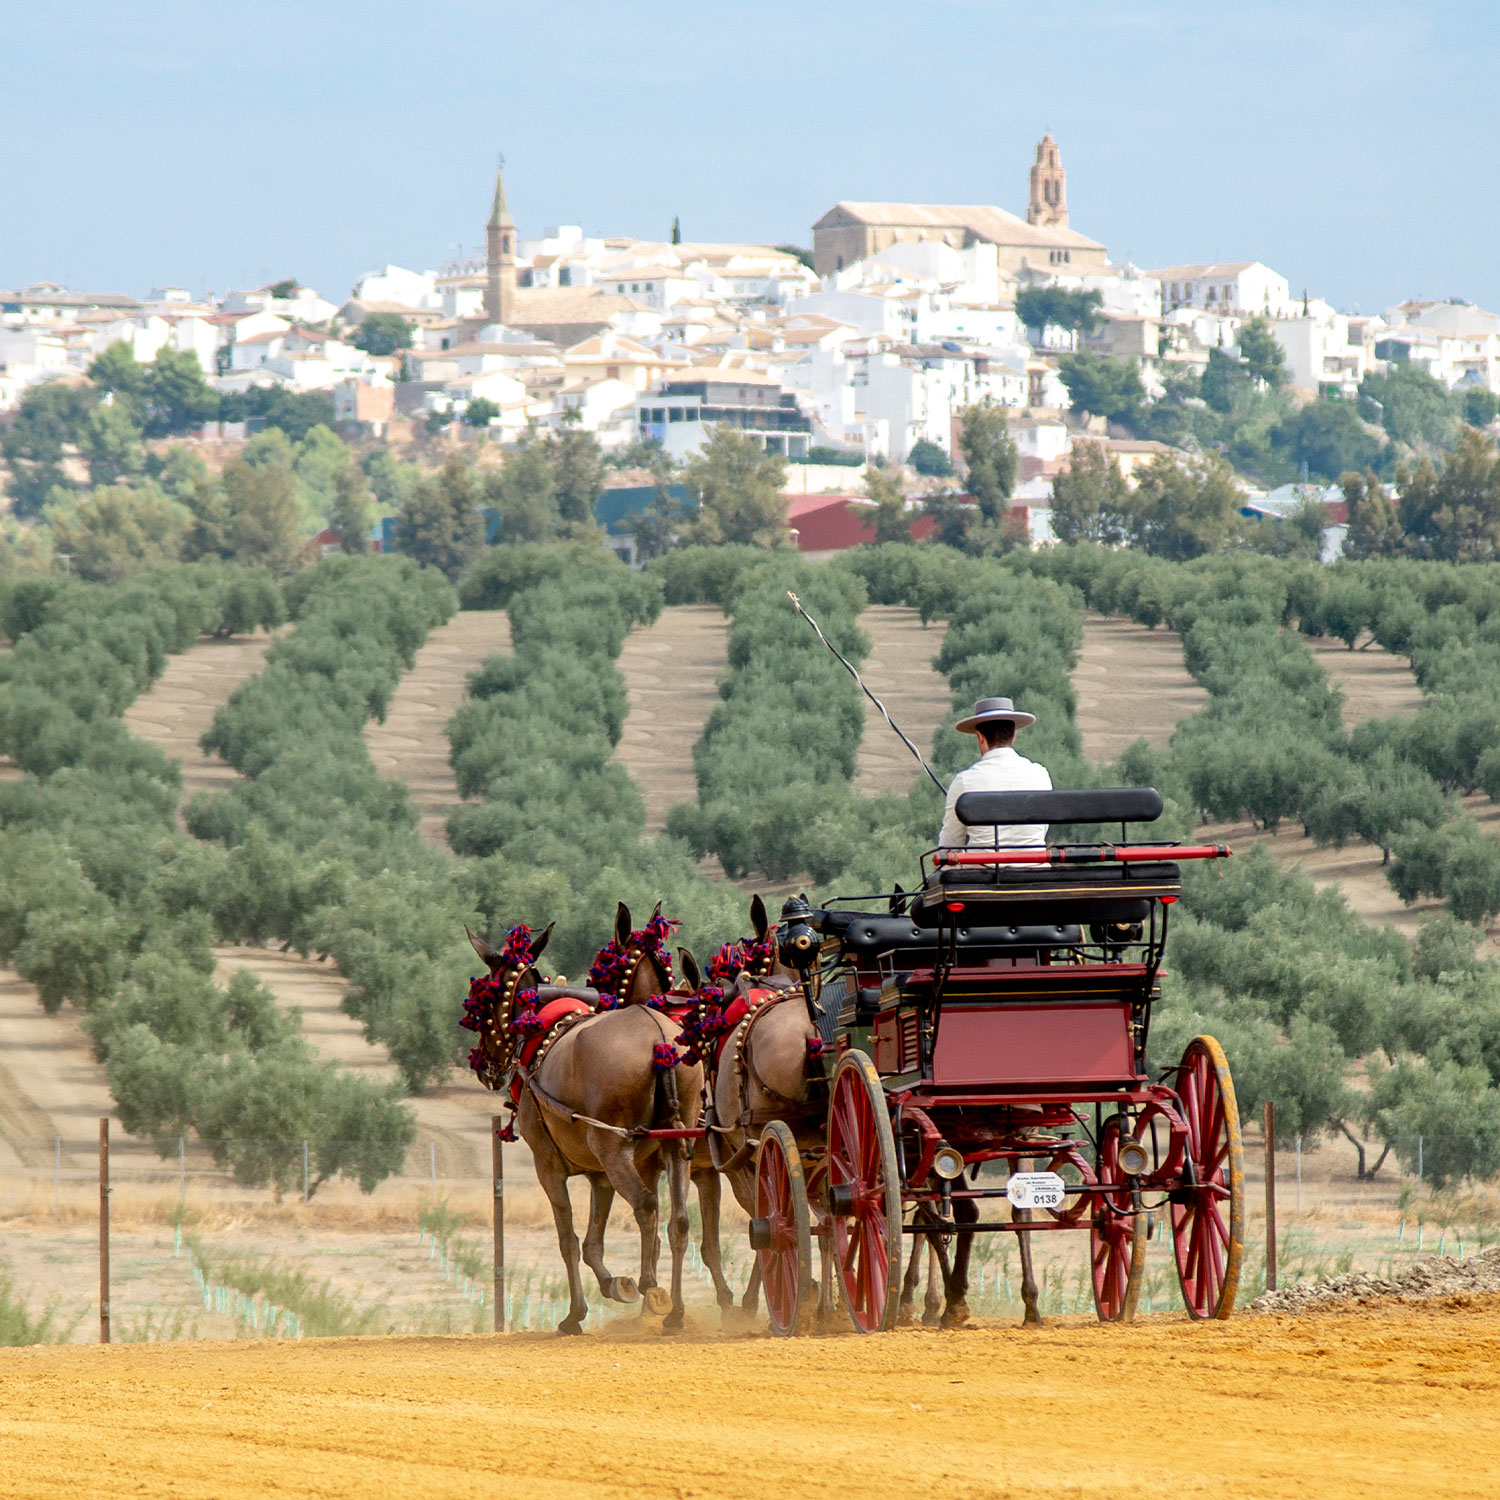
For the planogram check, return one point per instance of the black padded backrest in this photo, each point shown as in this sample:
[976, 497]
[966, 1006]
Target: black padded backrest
[869, 934]
[1110, 804]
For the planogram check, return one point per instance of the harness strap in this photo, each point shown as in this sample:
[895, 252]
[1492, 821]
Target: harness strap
[747, 1057]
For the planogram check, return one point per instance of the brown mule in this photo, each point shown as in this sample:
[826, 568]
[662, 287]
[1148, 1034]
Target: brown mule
[599, 1080]
[762, 1076]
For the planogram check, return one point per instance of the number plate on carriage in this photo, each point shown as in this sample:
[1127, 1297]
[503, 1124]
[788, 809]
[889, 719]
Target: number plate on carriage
[1036, 1190]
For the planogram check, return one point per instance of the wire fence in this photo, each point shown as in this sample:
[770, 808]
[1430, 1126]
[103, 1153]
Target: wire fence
[206, 1245]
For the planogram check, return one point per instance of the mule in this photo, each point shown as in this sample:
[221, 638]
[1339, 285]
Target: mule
[597, 1080]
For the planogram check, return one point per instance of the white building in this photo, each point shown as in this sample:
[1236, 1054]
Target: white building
[303, 305]
[681, 413]
[1244, 287]
[395, 284]
[1325, 351]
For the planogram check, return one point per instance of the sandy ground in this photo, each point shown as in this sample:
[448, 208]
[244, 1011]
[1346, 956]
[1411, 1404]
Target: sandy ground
[412, 744]
[1372, 1402]
[175, 710]
[900, 672]
[671, 670]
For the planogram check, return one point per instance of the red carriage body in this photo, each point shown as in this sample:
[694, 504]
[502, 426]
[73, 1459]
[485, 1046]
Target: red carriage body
[1002, 1015]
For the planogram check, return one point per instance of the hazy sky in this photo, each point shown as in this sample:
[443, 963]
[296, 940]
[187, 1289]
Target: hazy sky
[1352, 146]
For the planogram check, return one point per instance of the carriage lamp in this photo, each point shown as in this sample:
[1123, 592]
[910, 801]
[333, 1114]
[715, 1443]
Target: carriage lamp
[1133, 1158]
[797, 943]
[948, 1163]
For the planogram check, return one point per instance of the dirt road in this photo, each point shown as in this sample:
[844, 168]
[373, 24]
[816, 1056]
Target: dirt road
[1367, 1403]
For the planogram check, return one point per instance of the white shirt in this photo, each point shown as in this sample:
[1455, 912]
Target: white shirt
[999, 770]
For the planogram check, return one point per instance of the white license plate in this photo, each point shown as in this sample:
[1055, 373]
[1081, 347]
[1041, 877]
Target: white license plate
[1036, 1190]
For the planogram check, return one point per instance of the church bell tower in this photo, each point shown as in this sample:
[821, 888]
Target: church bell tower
[1048, 205]
[500, 255]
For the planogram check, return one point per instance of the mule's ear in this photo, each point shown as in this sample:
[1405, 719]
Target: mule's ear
[656, 911]
[758, 916]
[689, 966]
[542, 941]
[622, 925]
[898, 900]
[484, 950]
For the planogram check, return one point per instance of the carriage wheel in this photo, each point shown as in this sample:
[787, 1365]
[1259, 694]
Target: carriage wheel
[1208, 1210]
[864, 1194]
[1117, 1238]
[785, 1224]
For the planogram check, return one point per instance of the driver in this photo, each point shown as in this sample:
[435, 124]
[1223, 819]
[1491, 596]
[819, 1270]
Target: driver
[999, 769]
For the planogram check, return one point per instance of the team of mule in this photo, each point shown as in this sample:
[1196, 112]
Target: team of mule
[868, 1079]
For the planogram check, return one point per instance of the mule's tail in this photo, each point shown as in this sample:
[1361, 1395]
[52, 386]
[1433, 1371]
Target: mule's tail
[668, 1110]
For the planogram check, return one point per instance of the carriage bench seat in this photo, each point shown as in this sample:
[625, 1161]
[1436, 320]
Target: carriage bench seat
[1041, 893]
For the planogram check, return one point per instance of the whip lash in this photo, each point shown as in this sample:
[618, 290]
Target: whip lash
[849, 668]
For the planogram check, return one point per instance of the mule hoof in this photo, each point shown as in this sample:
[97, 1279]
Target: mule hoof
[905, 1315]
[570, 1326]
[956, 1315]
[623, 1289]
[673, 1322]
[932, 1317]
[726, 1300]
[656, 1301]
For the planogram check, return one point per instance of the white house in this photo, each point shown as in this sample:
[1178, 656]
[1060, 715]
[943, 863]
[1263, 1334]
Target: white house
[303, 305]
[395, 284]
[1325, 352]
[27, 357]
[1243, 287]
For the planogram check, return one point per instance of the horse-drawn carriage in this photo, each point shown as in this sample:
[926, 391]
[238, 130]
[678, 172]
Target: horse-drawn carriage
[996, 1017]
[1001, 1015]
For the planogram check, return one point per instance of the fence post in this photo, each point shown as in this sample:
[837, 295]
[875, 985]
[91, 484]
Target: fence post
[497, 1160]
[1270, 1196]
[104, 1229]
[1299, 1174]
[1419, 1165]
[304, 1171]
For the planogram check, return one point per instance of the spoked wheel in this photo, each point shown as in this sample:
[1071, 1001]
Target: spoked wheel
[1117, 1237]
[781, 1231]
[864, 1194]
[1208, 1210]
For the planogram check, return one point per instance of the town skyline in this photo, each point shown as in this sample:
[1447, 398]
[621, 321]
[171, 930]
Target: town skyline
[214, 186]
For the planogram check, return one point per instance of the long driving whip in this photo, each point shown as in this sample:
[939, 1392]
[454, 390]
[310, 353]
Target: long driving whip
[848, 666]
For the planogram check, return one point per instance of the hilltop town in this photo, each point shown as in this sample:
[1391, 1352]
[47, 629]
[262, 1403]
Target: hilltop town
[863, 347]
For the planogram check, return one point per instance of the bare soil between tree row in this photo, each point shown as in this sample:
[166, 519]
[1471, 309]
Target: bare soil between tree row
[177, 709]
[53, 1092]
[411, 743]
[1351, 1404]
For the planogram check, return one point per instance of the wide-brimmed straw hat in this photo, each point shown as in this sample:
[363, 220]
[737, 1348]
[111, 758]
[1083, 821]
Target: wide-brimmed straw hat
[987, 710]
